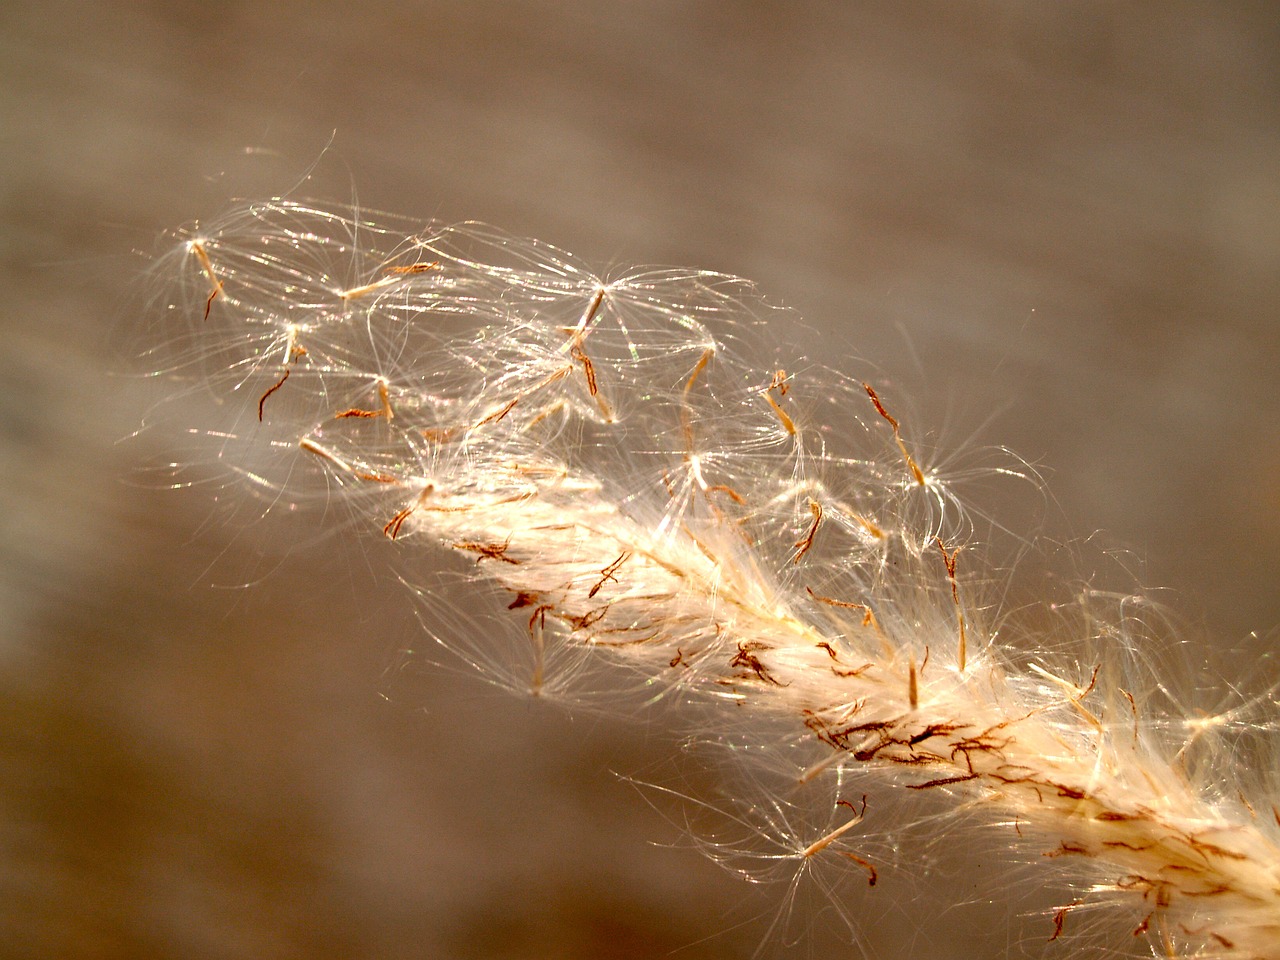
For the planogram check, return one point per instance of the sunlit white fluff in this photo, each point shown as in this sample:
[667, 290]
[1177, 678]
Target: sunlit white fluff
[661, 511]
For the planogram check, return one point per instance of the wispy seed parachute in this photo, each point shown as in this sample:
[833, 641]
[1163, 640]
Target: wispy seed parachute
[658, 511]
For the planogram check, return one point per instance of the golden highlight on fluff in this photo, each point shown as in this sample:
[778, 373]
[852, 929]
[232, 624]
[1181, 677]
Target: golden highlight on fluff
[659, 513]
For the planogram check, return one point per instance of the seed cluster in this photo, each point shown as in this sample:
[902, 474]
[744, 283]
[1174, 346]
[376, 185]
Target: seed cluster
[651, 505]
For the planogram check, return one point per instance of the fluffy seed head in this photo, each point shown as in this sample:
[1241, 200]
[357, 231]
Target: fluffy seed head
[659, 512]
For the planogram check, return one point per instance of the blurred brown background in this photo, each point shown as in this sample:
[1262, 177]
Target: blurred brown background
[1059, 223]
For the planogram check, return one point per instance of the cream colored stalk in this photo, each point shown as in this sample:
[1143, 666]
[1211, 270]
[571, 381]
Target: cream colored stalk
[645, 500]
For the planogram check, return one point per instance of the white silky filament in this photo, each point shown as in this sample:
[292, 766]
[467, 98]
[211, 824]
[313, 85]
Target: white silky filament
[650, 502]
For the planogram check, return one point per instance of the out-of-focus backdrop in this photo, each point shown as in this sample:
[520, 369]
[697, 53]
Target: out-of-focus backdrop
[1055, 226]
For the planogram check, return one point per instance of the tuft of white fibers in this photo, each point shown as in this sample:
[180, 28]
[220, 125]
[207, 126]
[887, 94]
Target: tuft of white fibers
[659, 513]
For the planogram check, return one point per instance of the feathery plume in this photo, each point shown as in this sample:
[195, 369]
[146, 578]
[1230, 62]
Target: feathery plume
[659, 513]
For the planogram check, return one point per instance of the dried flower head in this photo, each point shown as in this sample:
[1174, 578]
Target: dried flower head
[658, 512]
